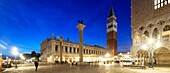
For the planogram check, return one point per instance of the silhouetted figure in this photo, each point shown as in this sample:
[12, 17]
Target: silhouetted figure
[80, 21]
[36, 65]
[155, 61]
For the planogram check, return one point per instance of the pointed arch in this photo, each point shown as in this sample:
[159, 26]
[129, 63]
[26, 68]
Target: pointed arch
[146, 33]
[166, 28]
[155, 33]
[161, 55]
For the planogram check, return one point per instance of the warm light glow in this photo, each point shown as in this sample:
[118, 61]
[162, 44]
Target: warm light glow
[157, 44]
[126, 56]
[107, 55]
[150, 41]
[15, 51]
[22, 57]
[115, 56]
[155, 7]
[155, 2]
[144, 47]
[162, 4]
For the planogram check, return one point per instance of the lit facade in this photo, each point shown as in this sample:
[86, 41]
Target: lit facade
[151, 18]
[51, 48]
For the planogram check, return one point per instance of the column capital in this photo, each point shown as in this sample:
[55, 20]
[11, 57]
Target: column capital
[80, 26]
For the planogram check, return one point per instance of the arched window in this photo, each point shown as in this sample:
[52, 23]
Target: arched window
[141, 28]
[161, 22]
[166, 28]
[146, 33]
[155, 33]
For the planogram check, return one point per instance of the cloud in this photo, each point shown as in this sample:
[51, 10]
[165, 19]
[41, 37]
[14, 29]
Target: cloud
[2, 46]
[3, 42]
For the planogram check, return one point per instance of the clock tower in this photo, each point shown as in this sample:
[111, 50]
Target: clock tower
[112, 33]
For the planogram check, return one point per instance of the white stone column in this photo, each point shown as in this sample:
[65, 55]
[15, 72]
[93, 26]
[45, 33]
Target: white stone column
[81, 27]
[61, 48]
[76, 50]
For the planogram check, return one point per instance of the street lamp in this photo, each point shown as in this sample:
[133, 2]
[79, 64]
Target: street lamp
[151, 45]
[15, 53]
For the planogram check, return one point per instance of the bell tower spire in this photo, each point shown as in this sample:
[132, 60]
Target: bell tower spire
[111, 13]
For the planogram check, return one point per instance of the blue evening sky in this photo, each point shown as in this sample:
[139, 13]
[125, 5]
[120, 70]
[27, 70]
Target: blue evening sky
[26, 23]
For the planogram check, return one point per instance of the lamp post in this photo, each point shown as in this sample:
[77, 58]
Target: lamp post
[151, 46]
[15, 53]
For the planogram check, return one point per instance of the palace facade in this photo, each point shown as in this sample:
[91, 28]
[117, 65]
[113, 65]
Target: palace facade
[151, 19]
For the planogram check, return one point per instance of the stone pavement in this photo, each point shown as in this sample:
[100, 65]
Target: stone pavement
[65, 68]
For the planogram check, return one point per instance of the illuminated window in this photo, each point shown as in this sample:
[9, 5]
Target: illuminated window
[160, 3]
[155, 3]
[166, 2]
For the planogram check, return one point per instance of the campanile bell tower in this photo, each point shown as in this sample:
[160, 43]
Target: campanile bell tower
[112, 33]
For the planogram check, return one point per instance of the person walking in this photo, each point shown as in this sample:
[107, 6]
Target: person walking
[36, 65]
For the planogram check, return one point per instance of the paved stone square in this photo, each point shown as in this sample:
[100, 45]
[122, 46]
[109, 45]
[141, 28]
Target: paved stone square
[66, 68]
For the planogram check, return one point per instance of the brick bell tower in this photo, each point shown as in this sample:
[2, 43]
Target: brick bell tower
[112, 33]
